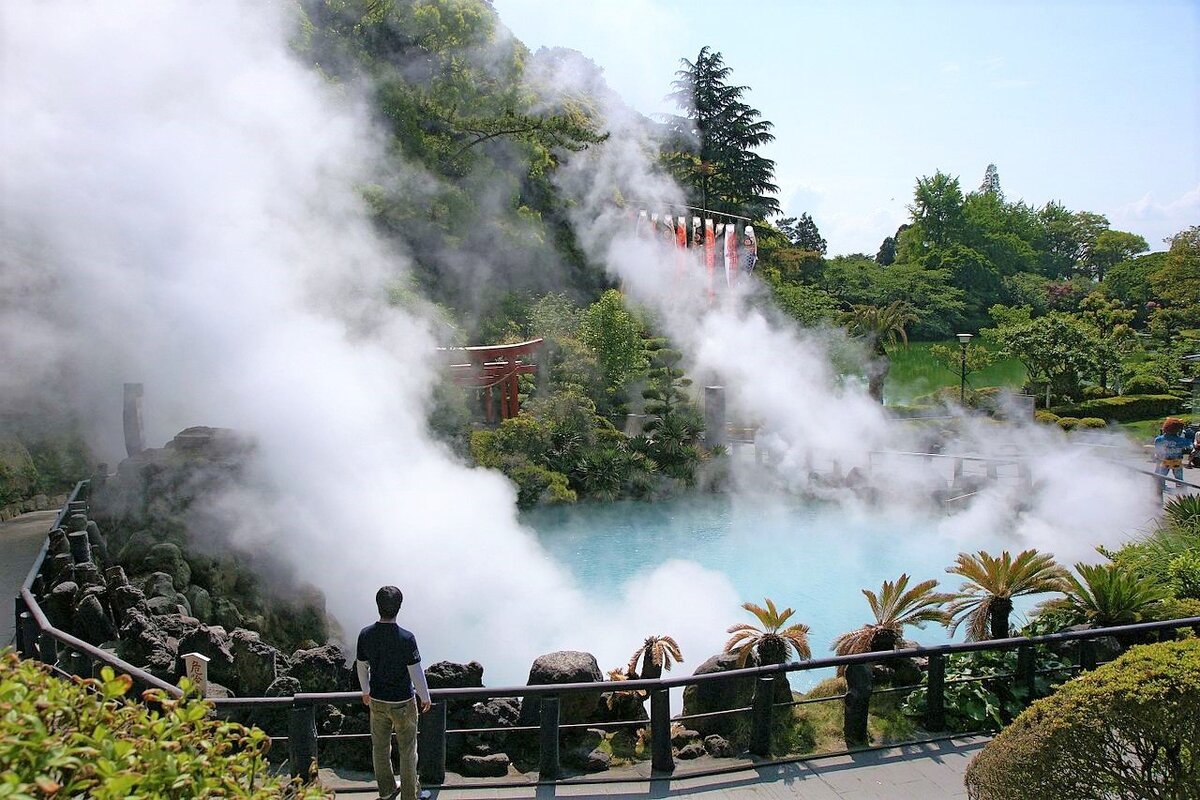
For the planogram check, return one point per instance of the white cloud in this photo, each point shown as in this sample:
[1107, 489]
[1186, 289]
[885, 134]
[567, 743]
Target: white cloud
[1158, 220]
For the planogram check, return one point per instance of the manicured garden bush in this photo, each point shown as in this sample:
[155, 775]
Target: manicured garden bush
[1068, 423]
[1125, 408]
[86, 739]
[1092, 422]
[1130, 729]
[1146, 384]
[1046, 417]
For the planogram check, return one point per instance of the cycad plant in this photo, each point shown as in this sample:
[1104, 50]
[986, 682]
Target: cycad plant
[894, 607]
[879, 327]
[656, 654]
[772, 641]
[1107, 594]
[984, 601]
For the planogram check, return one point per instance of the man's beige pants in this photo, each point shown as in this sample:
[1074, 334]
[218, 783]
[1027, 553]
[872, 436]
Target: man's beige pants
[400, 718]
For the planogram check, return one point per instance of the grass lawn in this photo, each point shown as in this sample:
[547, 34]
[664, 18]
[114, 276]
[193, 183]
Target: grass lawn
[1144, 430]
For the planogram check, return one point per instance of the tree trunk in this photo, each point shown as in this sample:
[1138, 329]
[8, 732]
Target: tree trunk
[650, 670]
[877, 372]
[1001, 608]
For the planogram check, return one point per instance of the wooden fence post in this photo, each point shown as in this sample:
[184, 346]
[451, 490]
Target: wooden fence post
[302, 740]
[661, 758]
[549, 768]
[431, 747]
[1087, 654]
[935, 693]
[764, 699]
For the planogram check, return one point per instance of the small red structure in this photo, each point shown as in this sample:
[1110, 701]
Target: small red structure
[490, 366]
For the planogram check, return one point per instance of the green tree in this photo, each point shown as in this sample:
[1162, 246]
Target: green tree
[672, 429]
[770, 642]
[657, 653]
[803, 233]
[937, 211]
[879, 327]
[984, 601]
[1177, 282]
[1105, 595]
[1111, 248]
[895, 607]
[714, 142]
[1056, 350]
[615, 335]
[808, 305]
[1111, 320]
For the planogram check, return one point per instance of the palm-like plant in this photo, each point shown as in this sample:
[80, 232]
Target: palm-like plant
[879, 327]
[1107, 594]
[894, 607]
[772, 641]
[656, 654]
[985, 600]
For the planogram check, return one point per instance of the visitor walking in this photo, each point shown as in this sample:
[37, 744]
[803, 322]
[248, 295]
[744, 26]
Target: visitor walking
[389, 669]
[1169, 449]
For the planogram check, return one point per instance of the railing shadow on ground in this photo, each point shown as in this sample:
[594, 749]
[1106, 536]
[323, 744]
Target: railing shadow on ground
[68, 655]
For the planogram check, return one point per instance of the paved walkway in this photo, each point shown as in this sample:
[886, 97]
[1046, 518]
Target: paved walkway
[20, 539]
[930, 771]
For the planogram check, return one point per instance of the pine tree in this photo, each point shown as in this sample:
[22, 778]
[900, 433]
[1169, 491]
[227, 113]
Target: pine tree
[712, 150]
[991, 182]
[803, 233]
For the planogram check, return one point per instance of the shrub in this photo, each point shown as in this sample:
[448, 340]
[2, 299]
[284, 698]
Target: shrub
[82, 738]
[1092, 422]
[1096, 393]
[1129, 729]
[1068, 423]
[1126, 408]
[1184, 574]
[1145, 384]
[1047, 417]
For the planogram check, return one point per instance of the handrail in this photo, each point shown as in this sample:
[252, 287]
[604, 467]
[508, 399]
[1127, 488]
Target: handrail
[58, 521]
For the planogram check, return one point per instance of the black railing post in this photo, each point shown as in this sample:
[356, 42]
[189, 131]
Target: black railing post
[760, 732]
[1027, 670]
[548, 769]
[661, 757]
[431, 745]
[19, 611]
[857, 705]
[1087, 654]
[47, 649]
[302, 740]
[935, 693]
[27, 630]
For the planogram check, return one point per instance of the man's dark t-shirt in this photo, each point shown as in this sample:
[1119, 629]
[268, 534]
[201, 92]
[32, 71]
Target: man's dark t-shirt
[389, 649]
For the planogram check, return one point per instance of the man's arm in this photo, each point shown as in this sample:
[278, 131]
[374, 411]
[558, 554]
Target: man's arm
[419, 685]
[364, 680]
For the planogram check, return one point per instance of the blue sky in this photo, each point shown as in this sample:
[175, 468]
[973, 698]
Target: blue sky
[1094, 104]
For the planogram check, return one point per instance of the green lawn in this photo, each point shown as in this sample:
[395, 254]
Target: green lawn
[915, 372]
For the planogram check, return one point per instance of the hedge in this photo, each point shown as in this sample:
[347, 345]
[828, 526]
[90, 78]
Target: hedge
[1126, 408]
[83, 738]
[1130, 729]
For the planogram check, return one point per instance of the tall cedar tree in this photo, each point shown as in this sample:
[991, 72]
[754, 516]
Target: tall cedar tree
[713, 152]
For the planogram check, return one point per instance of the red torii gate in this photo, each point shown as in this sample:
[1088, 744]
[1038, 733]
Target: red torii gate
[489, 366]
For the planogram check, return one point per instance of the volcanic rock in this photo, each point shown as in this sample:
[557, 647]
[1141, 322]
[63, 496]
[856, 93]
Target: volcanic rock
[684, 736]
[200, 602]
[164, 606]
[96, 540]
[159, 584]
[499, 712]
[255, 663]
[597, 761]
[168, 558]
[87, 574]
[564, 666]
[323, 669]
[719, 695]
[693, 750]
[211, 642]
[449, 675]
[137, 548]
[60, 605]
[492, 766]
[347, 753]
[91, 623]
[718, 746]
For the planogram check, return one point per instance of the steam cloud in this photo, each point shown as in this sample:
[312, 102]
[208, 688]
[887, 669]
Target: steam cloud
[178, 208]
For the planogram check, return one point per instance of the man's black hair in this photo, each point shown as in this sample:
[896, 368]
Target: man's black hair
[388, 600]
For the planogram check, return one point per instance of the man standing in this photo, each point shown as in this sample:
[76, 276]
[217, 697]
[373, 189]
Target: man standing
[389, 668]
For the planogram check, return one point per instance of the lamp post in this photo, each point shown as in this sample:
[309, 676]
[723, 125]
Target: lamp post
[963, 340]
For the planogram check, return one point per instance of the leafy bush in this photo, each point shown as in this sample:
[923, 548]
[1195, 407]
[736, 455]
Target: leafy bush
[1126, 408]
[1046, 417]
[1129, 729]
[1092, 422]
[1184, 575]
[1145, 384]
[994, 698]
[1068, 423]
[1096, 393]
[83, 738]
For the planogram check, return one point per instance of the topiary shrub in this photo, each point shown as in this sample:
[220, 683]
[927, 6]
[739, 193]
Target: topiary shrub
[1092, 422]
[83, 738]
[1130, 729]
[1145, 384]
[1126, 408]
[1046, 417]
[1096, 393]
[1068, 423]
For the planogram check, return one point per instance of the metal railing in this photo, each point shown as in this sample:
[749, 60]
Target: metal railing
[38, 638]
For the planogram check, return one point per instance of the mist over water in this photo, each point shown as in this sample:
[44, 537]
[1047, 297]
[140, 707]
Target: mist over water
[178, 208]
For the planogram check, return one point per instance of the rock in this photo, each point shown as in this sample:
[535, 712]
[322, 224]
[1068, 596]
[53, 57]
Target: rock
[493, 766]
[211, 643]
[342, 721]
[96, 540]
[177, 625]
[684, 736]
[168, 558]
[58, 542]
[216, 690]
[499, 712]
[135, 550]
[621, 706]
[718, 746]
[124, 598]
[40, 502]
[159, 584]
[162, 664]
[226, 614]
[449, 675]
[91, 623]
[60, 605]
[164, 606]
[76, 522]
[115, 576]
[255, 663]
[284, 686]
[87, 574]
[693, 750]
[62, 568]
[200, 602]
[597, 761]
[564, 666]
[323, 669]
[721, 695]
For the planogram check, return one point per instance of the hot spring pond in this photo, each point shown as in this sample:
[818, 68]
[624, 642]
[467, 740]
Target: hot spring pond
[814, 558]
